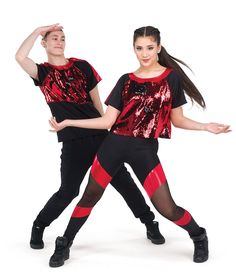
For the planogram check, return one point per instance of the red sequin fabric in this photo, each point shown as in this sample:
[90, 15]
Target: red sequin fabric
[146, 108]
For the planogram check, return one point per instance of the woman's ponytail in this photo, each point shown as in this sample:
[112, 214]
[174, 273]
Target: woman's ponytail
[190, 89]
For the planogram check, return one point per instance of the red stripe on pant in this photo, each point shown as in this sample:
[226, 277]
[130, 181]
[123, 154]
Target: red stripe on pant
[81, 212]
[184, 220]
[99, 174]
[154, 180]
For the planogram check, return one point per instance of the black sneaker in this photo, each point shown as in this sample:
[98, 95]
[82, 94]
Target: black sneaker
[36, 240]
[61, 253]
[201, 252]
[154, 234]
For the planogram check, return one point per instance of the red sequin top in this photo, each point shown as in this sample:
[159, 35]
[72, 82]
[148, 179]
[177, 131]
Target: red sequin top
[66, 89]
[145, 104]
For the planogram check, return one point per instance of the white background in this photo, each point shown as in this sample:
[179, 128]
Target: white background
[200, 167]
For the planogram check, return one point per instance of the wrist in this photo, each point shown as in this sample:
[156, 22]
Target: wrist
[203, 127]
[36, 32]
[66, 123]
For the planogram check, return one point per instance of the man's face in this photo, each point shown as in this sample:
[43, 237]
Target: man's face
[54, 43]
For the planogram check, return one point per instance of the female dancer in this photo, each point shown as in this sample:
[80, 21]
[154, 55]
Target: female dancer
[141, 108]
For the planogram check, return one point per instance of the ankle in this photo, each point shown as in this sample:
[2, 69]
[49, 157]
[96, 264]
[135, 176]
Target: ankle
[198, 236]
[150, 224]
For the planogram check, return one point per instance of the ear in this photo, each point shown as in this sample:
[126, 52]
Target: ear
[43, 43]
[159, 49]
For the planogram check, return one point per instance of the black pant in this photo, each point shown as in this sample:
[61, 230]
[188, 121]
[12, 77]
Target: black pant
[76, 158]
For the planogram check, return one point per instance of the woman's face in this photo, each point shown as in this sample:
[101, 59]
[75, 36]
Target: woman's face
[146, 50]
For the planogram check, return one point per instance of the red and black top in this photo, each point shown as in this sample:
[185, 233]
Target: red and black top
[66, 90]
[145, 104]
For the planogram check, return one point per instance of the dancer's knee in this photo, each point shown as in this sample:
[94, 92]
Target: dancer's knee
[172, 212]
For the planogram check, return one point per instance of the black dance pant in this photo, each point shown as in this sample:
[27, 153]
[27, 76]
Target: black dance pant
[76, 158]
[141, 155]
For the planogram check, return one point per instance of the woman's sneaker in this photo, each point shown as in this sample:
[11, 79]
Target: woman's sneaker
[61, 253]
[201, 252]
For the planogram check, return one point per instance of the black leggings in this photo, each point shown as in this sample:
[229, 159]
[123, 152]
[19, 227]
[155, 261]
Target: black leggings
[141, 155]
[76, 158]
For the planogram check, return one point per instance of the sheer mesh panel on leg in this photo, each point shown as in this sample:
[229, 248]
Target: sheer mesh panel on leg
[92, 194]
[165, 205]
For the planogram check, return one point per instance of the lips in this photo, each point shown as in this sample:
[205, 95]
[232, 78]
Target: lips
[145, 60]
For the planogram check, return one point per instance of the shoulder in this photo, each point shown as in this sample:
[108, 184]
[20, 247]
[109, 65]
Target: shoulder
[44, 68]
[174, 80]
[85, 67]
[173, 75]
[43, 65]
[80, 62]
[123, 78]
[120, 83]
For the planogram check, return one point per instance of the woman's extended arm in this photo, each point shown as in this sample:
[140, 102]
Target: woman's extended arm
[179, 120]
[104, 122]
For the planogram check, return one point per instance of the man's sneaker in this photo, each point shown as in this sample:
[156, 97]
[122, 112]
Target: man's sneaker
[36, 240]
[154, 234]
[61, 253]
[201, 252]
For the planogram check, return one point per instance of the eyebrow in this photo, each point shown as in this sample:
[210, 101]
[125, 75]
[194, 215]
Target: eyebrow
[56, 36]
[145, 45]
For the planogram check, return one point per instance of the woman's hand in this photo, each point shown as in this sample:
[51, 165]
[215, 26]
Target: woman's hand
[216, 128]
[55, 125]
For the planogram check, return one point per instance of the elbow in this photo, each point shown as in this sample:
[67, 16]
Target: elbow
[19, 58]
[176, 123]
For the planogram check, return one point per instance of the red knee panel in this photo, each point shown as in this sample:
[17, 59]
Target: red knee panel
[99, 174]
[81, 212]
[184, 220]
[154, 180]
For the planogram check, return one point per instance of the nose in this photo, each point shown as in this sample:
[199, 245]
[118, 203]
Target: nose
[144, 53]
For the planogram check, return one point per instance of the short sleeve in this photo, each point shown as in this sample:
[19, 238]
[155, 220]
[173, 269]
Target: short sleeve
[115, 97]
[93, 78]
[178, 97]
[42, 73]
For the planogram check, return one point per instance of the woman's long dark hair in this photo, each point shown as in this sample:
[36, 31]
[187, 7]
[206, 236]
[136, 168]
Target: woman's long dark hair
[166, 60]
